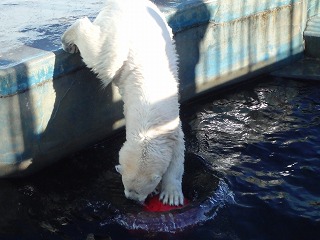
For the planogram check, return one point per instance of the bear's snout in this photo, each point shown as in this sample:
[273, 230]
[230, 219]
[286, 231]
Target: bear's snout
[133, 195]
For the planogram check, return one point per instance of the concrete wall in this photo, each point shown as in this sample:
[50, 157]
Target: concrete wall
[52, 106]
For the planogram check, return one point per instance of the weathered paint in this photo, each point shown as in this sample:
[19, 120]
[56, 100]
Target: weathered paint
[44, 67]
[51, 105]
[241, 48]
[185, 14]
[313, 8]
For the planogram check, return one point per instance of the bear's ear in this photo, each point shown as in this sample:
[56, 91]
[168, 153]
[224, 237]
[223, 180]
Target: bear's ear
[156, 177]
[119, 169]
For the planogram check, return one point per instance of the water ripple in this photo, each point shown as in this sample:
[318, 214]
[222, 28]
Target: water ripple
[266, 140]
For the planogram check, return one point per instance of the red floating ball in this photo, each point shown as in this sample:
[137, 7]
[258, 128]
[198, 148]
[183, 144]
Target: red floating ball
[154, 204]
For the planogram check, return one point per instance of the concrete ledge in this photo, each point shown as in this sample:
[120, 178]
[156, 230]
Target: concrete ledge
[307, 69]
[312, 37]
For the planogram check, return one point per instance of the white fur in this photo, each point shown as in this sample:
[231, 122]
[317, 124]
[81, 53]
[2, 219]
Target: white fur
[130, 43]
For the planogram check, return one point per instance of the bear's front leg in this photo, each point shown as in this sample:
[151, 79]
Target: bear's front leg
[75, 32]
[171, 192]
[69, 37]
[85, 37]
[71, 48]
[171, 186]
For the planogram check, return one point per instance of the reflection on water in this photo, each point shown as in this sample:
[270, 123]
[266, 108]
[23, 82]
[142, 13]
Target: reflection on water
[266, 141]
[261, 141]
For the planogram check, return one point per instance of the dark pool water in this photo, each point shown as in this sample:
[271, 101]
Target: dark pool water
[261, 140]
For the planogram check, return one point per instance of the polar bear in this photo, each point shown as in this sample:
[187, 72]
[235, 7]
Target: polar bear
[131, 44]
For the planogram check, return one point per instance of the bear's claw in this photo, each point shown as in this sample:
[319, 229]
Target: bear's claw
[172, 197]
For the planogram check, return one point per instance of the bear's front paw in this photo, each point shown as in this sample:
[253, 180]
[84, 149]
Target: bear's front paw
[70, 35]
[70, 48]
[172, 195]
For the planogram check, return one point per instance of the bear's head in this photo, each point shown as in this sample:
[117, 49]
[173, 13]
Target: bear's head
[141, 169]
